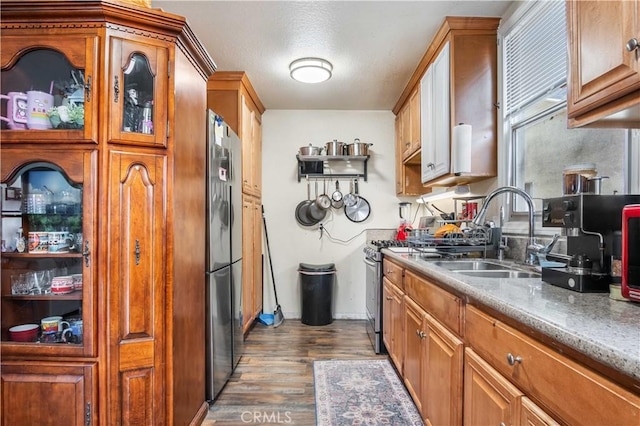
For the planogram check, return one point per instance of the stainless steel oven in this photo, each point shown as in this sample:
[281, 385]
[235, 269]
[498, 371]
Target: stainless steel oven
[373, 291]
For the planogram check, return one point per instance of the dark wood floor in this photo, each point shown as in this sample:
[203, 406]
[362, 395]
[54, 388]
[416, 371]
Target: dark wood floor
[273, 383]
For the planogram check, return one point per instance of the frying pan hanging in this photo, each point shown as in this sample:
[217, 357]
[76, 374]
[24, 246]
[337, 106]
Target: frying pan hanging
[360, 211]
[302, 207]
[350, 199]
[315, 212]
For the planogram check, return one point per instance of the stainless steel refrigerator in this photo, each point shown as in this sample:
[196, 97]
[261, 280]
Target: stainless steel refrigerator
[224, 338]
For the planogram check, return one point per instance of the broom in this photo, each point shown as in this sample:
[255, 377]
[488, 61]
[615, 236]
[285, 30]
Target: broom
[278, 318]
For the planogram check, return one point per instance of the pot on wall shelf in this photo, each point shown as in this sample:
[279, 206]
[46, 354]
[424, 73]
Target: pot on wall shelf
[358, 148]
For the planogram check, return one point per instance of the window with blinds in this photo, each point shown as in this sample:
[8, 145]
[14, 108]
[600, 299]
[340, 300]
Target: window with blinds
[537, 143]
[535, 54]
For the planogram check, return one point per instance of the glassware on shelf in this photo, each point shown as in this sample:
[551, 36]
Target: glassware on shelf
[21, 244]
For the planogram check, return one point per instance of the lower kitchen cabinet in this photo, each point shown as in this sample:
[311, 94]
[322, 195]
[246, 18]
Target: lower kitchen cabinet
[433, 359]
[548, 376]
[392, 318]
[442, 375]
[489, 398]
[414, 350]
[532, 415]
[40, 393]
[463, 366]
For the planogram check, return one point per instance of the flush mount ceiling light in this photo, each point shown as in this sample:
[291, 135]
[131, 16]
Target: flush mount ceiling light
[310, 70]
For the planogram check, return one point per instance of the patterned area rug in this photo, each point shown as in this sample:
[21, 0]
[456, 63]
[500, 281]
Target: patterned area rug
[361, 392]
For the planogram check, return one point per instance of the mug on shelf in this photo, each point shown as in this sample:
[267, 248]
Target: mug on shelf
[53, 324]
[59, 242]
[38, 242]
[16, 118]
[38, 103]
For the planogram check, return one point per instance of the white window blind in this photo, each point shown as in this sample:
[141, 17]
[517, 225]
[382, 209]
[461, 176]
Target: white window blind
[535, 54]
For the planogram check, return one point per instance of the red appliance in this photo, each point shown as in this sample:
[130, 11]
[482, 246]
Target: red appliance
[631, 252]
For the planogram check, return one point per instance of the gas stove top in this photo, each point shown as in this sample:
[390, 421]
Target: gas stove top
[389, 243]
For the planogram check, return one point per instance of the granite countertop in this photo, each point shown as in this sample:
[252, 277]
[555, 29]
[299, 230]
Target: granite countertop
[603, 329]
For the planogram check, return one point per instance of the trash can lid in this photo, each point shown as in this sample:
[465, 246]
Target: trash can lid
[327, 267]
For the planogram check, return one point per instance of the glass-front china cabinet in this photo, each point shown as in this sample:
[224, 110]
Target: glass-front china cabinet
[95, 328]
[46, 255]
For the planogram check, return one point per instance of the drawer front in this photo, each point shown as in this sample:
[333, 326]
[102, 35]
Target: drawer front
[393, 272]
[566, 389]
[441, 304]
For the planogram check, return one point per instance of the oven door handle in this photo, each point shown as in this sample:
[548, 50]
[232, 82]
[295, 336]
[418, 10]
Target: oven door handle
[369, 262]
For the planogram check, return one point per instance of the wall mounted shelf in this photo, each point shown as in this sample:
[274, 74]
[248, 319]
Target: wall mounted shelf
[316, 166]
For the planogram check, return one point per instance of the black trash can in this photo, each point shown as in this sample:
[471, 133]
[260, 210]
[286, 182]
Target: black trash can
[317, 293]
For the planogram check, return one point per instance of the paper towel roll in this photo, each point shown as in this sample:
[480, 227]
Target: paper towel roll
[462, 148]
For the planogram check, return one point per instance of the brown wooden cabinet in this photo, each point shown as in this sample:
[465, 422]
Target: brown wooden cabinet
[393, 322]
[604, 63]
[231, 95]
[65, 392]
[442, 375]
[136, 163]
[547, 376]
[489, 399]
[136, 253]
[252, 269]
[467, 95]
[146, 59]
[414, 350]
[433, 354]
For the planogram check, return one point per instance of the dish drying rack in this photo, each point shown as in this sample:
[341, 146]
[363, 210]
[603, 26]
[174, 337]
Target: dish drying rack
[468, 240]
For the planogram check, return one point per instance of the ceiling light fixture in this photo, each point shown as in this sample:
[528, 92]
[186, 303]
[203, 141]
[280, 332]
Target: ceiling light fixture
[310, 70]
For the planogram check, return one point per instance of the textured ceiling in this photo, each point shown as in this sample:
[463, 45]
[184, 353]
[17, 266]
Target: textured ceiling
[374, 46]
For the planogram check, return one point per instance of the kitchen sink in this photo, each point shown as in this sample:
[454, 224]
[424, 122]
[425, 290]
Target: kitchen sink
[501, 274]
[485, 269]
[469, 265]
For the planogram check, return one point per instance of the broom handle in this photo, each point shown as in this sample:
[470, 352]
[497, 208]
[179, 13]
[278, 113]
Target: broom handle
[266, 236]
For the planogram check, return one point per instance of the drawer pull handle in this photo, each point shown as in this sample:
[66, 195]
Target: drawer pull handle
[389, 298]
[513, 359]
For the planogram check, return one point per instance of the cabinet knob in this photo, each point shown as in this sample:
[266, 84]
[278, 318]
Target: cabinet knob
[421, 334]
[431, 166]
[513, 359]
[633, 44]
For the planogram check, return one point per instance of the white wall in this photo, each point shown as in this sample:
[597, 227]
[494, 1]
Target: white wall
[283, 133]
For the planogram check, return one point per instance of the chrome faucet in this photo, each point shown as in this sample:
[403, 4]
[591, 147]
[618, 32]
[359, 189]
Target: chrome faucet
[531, 255]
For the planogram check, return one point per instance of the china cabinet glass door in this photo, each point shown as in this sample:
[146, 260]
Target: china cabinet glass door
[48, 91]
[46, 265]
[138, 94]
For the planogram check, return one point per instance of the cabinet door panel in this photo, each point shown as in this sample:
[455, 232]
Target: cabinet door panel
[149, 64]
[442, 383]
[601, 68]
[136, 284]
[51, 394]
[66, 56]
[489, 399]
[414, 350]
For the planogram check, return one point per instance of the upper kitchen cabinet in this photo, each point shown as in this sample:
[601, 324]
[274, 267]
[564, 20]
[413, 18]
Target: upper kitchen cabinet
[138, 87]
[604, 63]
[231, 95]
[49, 86]
[457, 82]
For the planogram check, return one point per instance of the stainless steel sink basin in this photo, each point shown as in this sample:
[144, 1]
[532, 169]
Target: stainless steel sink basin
[485, 268]
[501, 274]
[468, 265]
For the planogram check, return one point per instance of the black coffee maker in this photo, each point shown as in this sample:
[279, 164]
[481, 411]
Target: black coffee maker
[591, 222]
